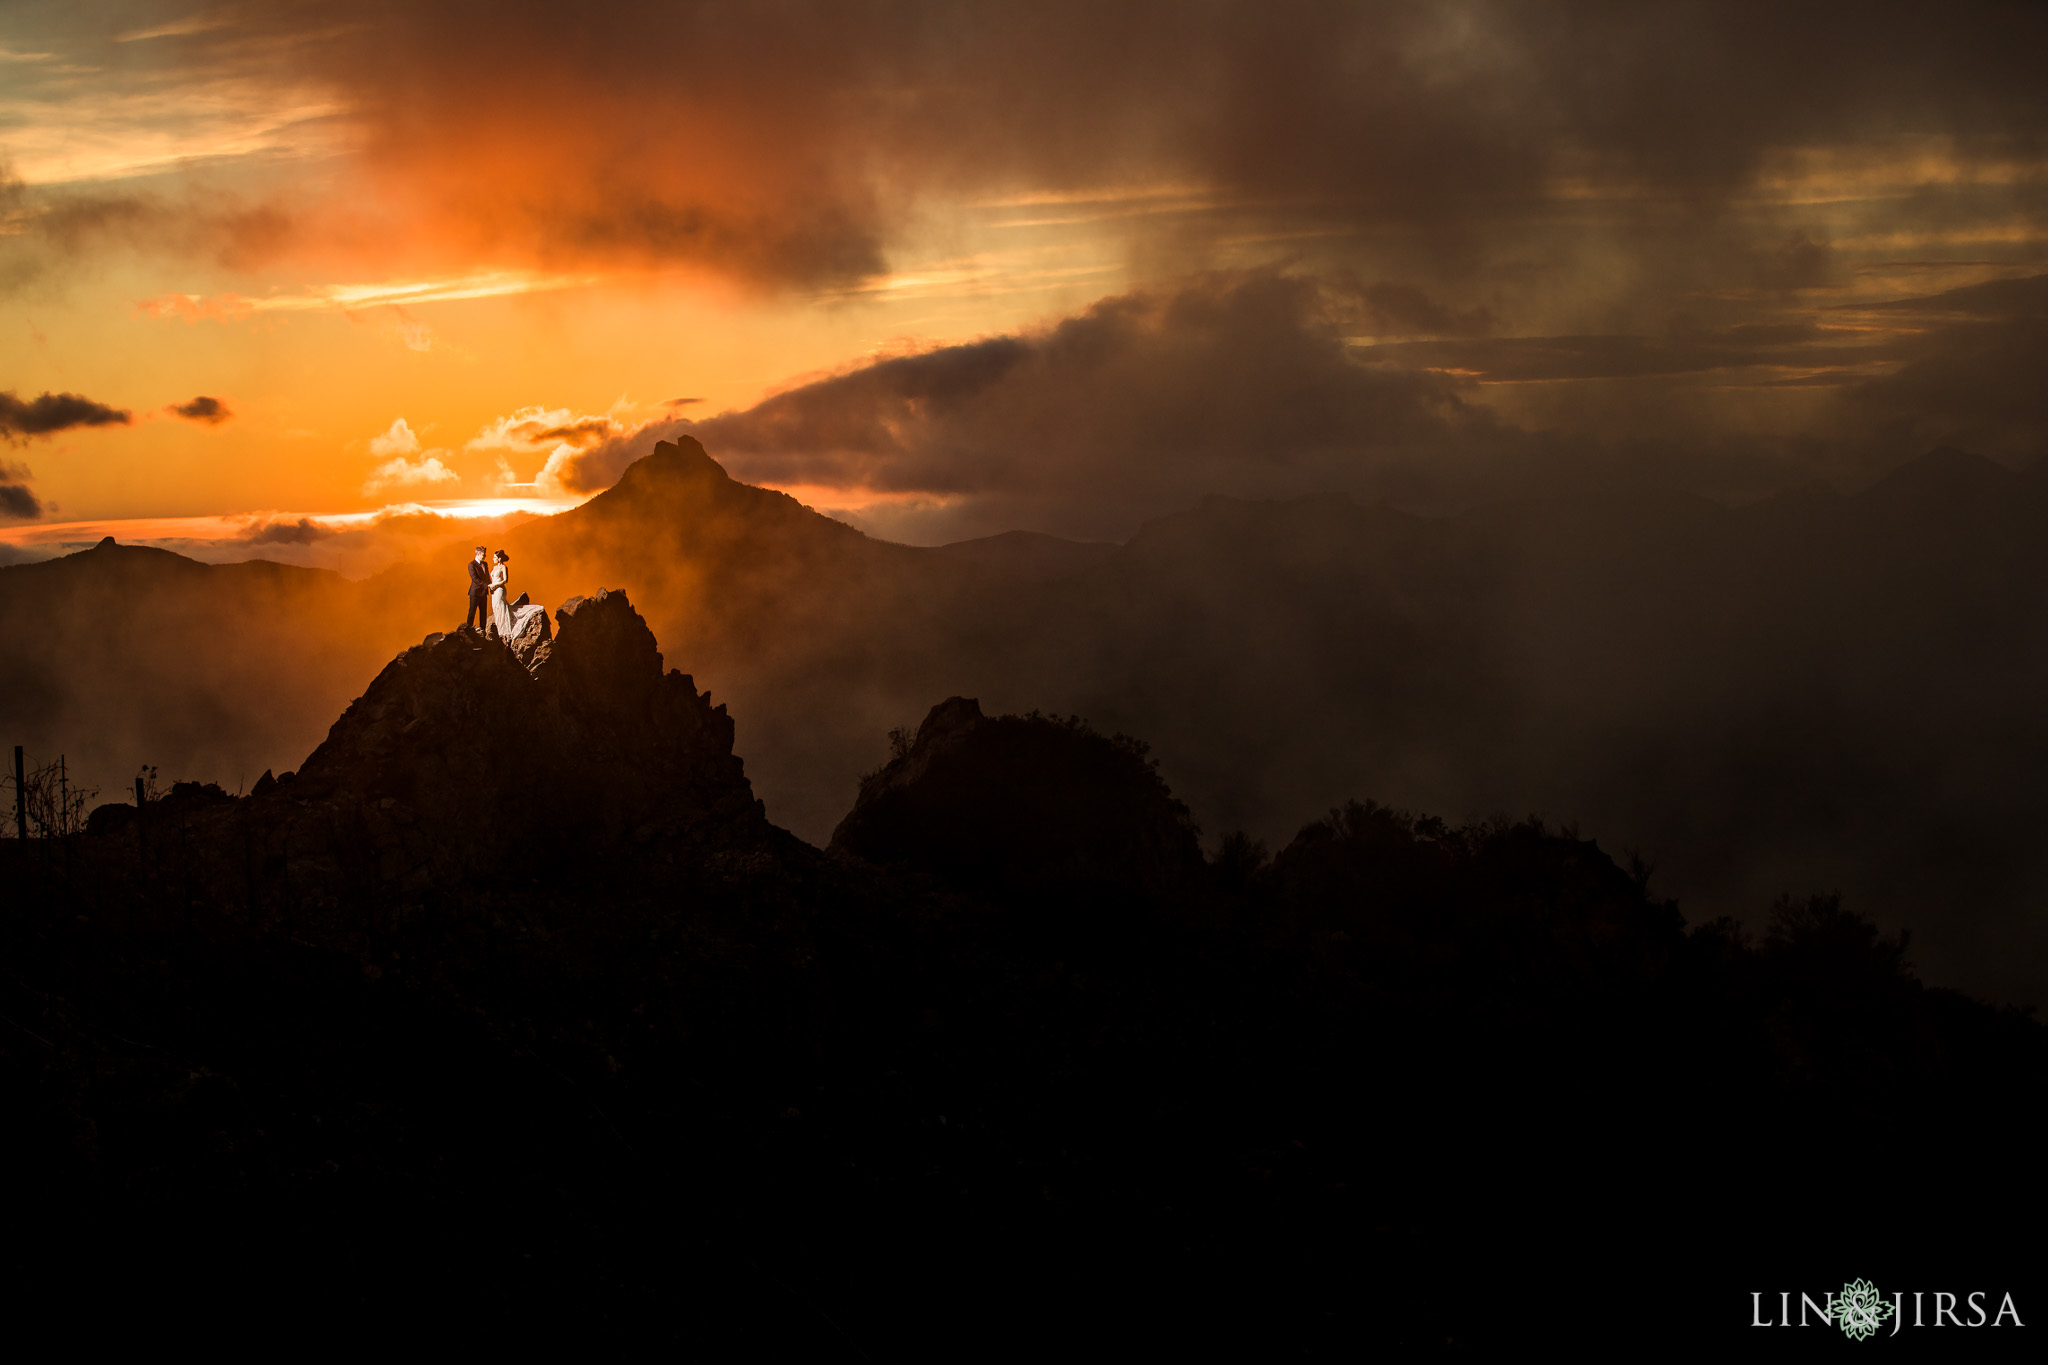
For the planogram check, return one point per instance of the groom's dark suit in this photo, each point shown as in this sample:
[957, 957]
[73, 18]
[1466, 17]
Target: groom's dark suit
[479, 591]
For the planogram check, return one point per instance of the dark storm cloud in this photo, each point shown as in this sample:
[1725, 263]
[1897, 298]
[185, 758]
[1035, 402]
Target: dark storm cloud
[2005, 300]
[1525, 359]
[74, 221]
[203, 409]
[582, 431]
[872, 425]
[42, 224]
[52, 413]
[17, 502]
[283, 531]
[48, 228]
[1404, 310]
[1239, 383]
[1543, 194]
[1974, 376]
[787, 143]
[1800, 263]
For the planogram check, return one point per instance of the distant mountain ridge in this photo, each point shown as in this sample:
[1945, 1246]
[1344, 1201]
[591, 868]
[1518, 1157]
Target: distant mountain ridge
[1031, 554]
[1811, 693]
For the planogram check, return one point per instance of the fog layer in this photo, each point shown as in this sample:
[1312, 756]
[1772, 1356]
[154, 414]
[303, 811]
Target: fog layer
[1813, 693]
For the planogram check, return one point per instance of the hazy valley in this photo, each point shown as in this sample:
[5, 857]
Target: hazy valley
[1813, 693]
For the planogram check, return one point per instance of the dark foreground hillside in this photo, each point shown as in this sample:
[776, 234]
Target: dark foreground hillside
[508, 1021]
[1838, 692]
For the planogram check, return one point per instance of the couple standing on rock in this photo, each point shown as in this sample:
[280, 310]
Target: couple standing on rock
[505, 621]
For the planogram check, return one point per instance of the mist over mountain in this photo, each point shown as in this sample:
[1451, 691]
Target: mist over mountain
[1813, 693]
[507, 1018]
[142, 656]
[1333, 680]
[1031, 554]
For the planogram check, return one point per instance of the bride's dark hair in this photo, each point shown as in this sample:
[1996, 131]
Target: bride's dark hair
[502, 555]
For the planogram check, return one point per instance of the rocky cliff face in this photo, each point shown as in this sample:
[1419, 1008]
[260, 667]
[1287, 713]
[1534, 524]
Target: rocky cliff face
[588, 743]
[467, 764]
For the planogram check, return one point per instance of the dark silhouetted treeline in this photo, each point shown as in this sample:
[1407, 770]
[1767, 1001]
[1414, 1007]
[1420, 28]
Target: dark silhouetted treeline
[1817, 690]
[1013, 1071]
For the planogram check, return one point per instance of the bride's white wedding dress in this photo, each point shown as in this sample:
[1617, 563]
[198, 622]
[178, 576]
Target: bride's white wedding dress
[509, 620]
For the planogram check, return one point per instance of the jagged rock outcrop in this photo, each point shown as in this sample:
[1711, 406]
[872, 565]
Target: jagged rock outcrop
[593, 746]
[663, 751]
[570, 758]
[1025, 809]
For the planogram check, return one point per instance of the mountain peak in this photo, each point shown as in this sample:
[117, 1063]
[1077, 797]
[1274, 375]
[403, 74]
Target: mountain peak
[683, 458]
[594, 747]
[674, 471]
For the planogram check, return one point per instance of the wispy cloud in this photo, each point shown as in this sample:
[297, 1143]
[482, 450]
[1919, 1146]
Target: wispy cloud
[203, 22]
[405, 465]
[350, 298]
[96, 133]
[399, 472]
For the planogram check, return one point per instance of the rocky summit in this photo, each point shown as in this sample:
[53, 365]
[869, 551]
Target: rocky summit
[467, 762]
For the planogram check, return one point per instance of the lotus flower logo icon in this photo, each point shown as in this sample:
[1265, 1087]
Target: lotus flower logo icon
[1860, 1310]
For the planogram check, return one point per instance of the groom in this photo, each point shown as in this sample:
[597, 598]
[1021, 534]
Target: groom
[479, 589]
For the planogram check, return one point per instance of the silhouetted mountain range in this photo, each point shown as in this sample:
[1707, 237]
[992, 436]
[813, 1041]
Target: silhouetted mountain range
[1030, 554]
[508, 1020]
[1815, 693]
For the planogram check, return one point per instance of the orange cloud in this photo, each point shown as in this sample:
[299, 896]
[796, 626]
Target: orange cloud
[559, 433]
[801, 147]
[405, 466]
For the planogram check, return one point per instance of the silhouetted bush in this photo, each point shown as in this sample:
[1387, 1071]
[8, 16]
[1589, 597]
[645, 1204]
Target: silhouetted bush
[1026, 810]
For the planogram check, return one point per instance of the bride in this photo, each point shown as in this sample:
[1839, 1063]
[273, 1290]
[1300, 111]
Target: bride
[509, 620]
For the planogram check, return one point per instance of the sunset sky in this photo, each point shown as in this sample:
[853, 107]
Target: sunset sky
[950, 269]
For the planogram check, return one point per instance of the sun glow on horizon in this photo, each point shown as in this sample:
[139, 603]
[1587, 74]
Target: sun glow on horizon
[351, 542]
[346, 233]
